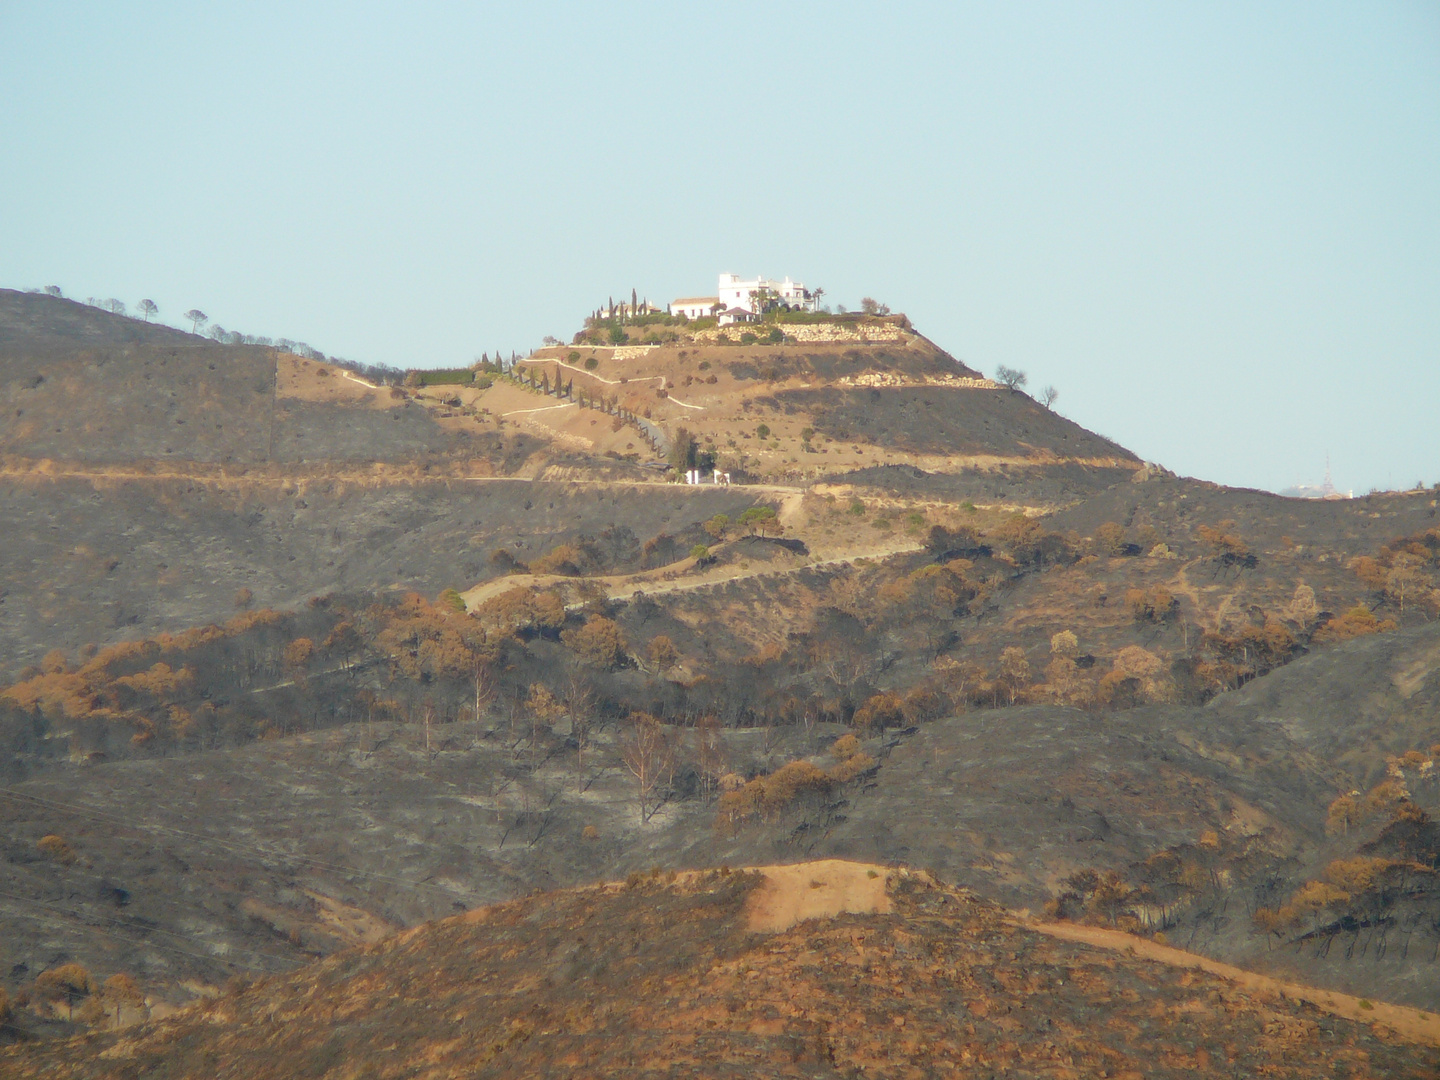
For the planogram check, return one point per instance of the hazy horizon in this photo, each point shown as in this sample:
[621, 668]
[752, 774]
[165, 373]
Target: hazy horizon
[1216, 230]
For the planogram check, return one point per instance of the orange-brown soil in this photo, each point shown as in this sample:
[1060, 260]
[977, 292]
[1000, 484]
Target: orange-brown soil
[659, 977]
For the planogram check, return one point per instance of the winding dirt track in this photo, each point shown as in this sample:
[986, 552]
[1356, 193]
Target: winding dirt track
[1415, 1025]
[666, 579]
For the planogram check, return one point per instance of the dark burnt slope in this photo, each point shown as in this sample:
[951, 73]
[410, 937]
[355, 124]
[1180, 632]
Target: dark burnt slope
[82, 385]
[945, 420]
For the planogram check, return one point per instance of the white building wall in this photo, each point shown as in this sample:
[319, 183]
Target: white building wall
[695, 309]
[735, 291]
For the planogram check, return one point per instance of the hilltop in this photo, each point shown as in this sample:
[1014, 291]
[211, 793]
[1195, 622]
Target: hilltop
[811, 970]
[822, 399]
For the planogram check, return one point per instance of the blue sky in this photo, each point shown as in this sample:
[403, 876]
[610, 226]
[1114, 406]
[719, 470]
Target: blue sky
[1214, 227]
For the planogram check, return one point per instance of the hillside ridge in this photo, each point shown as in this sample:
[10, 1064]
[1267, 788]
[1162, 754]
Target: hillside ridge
[580, 980]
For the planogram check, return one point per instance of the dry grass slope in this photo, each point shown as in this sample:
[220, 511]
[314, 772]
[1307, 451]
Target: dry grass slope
[665, 977]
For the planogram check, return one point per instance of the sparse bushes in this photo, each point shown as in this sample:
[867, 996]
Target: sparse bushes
[1357, 622]
[963, 542]
[1065, 644]
[923, 704]
[56, 849]
[879, 712]
[1226, 545]
[766, 796]
[599, 642]
[426, 641]
[68, 984]
[1341, 814]
[506, 563]
[663, 653]
[1137, 677]
[122, 992]
[851, 766]
[1237, 656]
[1153, 605]
[1403, 571]
[523, 611]
[761, 519]
[1064, 683]
[1014, 672]
[565, 560]
[1110, 538]
[1030, 544]
[297, 655]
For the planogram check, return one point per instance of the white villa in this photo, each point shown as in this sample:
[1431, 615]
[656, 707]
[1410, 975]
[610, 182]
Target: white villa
[696, 307]
[736, 299]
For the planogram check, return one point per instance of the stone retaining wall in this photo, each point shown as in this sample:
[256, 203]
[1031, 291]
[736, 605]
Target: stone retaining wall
[890, 378]
[813, 333]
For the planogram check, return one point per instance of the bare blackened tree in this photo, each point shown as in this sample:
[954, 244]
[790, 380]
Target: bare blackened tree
[148, 308]
[196, 317]
[1048, 396]
[116, 306]
[580, 702]
[647, 755]
[709, 752]
[1011, 378]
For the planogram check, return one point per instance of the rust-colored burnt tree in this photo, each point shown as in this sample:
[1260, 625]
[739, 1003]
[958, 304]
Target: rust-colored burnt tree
[122, 992]
[663, 653]
[599, 642]
[69, 984]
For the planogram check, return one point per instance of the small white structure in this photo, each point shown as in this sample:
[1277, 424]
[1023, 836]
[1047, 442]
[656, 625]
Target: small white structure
[737, 315]
[696, 307]
[695, 476]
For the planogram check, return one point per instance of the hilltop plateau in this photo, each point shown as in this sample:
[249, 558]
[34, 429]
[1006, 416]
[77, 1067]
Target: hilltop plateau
[292, 659]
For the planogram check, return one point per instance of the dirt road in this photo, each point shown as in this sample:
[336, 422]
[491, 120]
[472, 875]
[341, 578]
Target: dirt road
[667, 579]
[1415, 1025]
